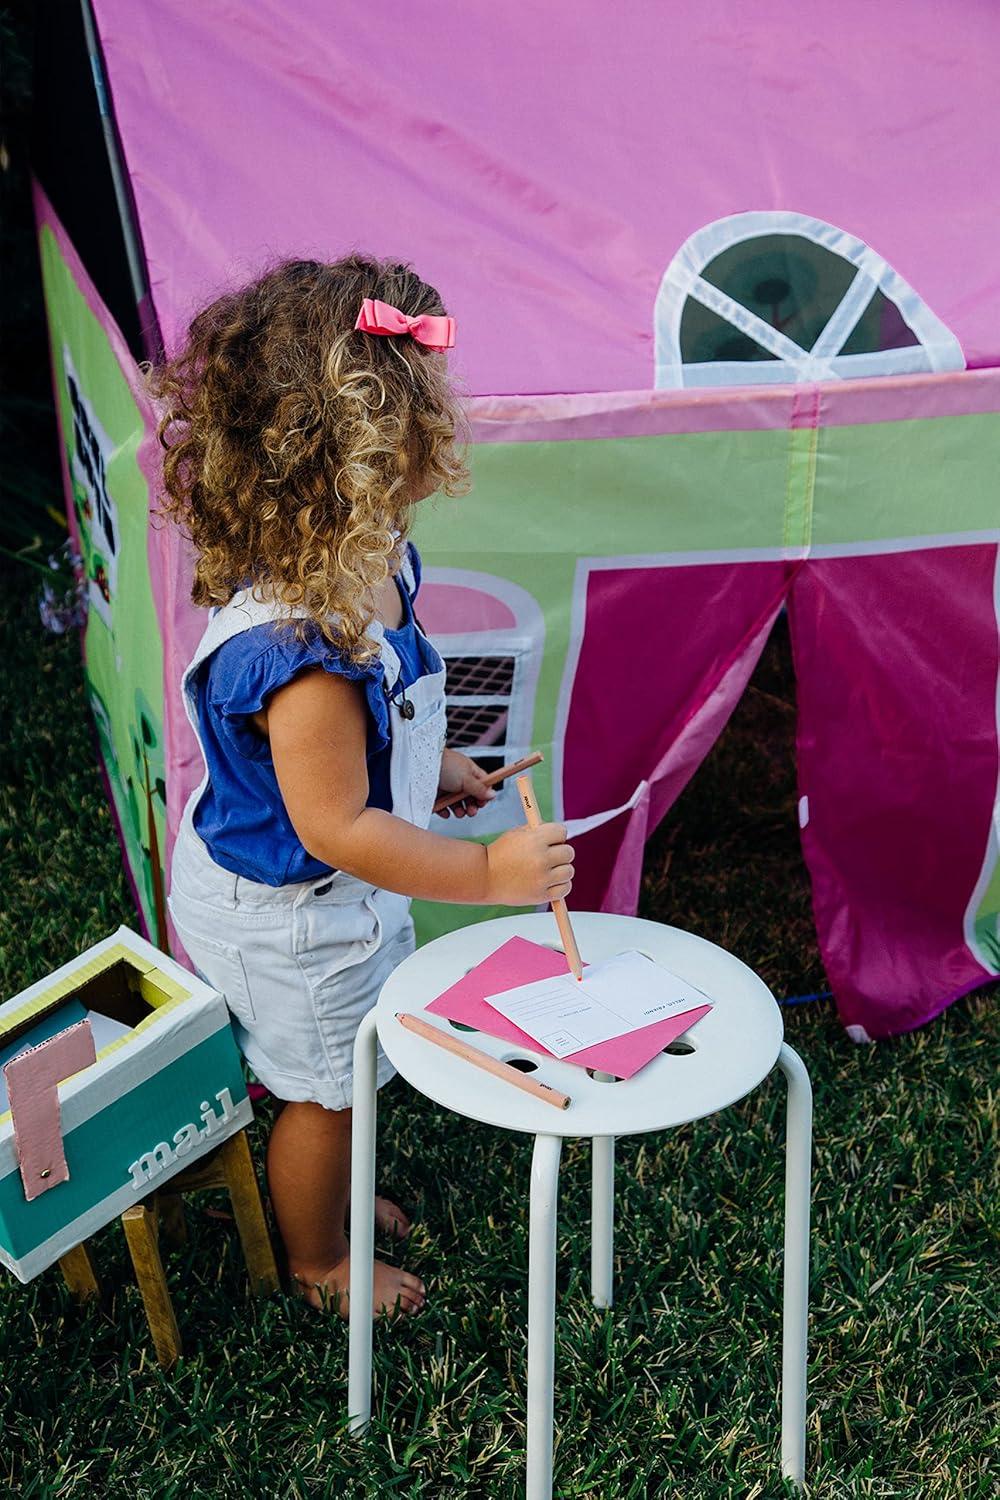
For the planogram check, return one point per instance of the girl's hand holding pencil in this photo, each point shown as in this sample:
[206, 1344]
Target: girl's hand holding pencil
[460, 776]
[529, 866]
[525, 867]
[463, 787]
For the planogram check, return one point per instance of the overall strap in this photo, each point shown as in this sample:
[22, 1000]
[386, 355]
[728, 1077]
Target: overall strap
[407, 573]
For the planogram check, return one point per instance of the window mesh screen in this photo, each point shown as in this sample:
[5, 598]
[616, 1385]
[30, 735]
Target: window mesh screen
[480, 676]
[473, 725]
[469, 727]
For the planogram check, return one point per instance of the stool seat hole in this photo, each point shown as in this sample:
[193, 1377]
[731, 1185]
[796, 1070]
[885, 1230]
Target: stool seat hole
[522, 1064]
[680, 1049]
[461, 1026]
[602, 1077]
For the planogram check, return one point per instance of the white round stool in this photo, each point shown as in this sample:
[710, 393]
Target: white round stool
[736, 1045]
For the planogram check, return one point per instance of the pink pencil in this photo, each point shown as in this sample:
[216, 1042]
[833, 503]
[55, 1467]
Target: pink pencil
[543, 1091]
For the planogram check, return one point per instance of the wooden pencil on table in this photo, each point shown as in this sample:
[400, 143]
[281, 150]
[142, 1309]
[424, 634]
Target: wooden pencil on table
[482, 1060]
[559, 909]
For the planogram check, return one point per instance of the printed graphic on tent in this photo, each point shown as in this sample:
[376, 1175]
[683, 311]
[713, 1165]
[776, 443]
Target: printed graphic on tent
[706, 383]
[102, 424]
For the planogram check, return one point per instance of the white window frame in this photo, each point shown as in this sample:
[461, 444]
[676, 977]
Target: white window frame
[937, 349]
[524, 642]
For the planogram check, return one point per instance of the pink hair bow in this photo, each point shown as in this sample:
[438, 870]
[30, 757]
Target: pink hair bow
[380, 317]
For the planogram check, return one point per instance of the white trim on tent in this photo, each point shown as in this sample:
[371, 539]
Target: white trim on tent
[520, 644]
[937, 349]
[991, 856]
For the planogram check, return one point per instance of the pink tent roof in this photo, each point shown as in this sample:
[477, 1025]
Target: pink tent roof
[542, 163]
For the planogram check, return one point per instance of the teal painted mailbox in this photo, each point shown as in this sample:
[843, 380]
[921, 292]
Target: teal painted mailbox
[165, 1088]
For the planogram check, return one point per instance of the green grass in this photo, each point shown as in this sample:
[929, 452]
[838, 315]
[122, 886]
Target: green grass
[670, 1394]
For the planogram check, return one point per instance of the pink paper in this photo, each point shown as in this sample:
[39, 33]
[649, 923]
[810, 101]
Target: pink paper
[33, 1089]
[520, 962]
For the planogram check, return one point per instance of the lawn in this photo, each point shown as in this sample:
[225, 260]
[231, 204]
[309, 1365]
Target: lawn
[672, 1393]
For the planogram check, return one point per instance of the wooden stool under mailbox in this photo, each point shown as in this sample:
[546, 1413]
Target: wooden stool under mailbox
[230, 1167]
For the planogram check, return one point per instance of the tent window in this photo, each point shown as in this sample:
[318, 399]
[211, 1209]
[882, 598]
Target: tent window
[706, 337]
[490, 633]
[478, 692]
[789, 282]
[777, 297]
[880, 326]
[480, 674]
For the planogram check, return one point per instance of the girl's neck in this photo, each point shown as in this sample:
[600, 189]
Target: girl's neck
[388, 603]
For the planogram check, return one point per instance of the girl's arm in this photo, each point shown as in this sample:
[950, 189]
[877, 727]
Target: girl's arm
[317, 728]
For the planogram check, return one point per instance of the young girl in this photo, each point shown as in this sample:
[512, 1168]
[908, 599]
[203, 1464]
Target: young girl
[307, 416]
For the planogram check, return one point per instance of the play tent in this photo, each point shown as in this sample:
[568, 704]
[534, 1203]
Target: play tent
[728, 303]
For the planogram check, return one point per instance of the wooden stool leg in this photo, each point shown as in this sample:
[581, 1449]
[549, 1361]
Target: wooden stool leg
[248, 1211]
[79, 1274]
[141, 1233]
[173, 1225]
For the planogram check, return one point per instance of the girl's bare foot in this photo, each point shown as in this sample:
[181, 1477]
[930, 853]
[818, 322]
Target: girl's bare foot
[391, 1219]
[394, 1290]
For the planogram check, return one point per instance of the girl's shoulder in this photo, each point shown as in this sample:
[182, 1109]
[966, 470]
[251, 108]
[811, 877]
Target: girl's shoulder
[247, 668]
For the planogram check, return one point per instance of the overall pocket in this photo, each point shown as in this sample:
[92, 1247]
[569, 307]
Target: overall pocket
[220, 964]
[332, 935]
[426, 712]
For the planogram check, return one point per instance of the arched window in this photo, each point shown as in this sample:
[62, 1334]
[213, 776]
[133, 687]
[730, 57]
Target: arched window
[490, 633]
[765, 298]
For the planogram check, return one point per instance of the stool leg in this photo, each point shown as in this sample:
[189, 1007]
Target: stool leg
[248, 1211]
[602, 1241]
[173, 1226]
[541, 1313]
[140, 1228]
[79, 1274]
[359, 1376]
[795, 1311]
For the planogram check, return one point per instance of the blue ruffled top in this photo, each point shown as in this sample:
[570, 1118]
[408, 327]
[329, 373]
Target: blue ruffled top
[241, 816]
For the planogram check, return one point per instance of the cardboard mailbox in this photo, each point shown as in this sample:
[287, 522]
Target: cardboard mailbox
[166, 1088]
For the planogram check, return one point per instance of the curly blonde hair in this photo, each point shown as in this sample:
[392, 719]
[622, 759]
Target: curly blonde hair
[294, 444]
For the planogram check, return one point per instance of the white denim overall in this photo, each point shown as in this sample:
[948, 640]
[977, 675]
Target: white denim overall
[301, 964]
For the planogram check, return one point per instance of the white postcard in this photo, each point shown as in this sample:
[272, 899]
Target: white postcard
[616, 997]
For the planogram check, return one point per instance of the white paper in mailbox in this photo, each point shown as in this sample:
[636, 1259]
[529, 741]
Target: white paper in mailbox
[104, 1029]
